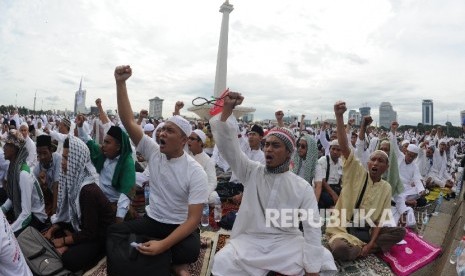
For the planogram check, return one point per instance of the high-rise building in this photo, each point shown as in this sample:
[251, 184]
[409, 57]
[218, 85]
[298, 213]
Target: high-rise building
[80, 100]
[354, 114]
[247, 117]
[462, 116]
[365, 111]
[386, 114]
[156, 108]
[427, 112]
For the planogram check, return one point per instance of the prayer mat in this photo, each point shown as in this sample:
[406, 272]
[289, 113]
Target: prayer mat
[371, 265]
[434, 193]
[368, 266]
[199, 268]
[98, 270]
[407, 258]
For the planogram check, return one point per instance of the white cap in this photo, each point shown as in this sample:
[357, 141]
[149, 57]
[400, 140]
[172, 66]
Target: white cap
[413, 148]
[182, 123]
[201, 135]
[149, 127]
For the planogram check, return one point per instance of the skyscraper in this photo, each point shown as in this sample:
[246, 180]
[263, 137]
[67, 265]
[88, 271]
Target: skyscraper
[365, 111]
[427, 112]
[386, 114]
[80, 100]
[354, 114]
[156, 108]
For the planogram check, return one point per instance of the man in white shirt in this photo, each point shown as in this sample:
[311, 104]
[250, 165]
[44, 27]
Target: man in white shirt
[12, 261]
[255, 247]
[195, 144]
[47, 172]
[25, 197]
[438, 175]
[30, 146]
[410, 176]
[64, 127]
[178, 190]
[328, 179]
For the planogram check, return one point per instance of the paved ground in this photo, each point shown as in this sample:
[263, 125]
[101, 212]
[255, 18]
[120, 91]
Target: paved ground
[444, 230]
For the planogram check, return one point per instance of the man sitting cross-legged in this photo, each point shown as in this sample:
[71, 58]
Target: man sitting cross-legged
[257, 247]
[371, 193]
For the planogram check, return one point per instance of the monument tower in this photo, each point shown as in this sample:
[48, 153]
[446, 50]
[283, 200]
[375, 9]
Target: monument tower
[221, 68]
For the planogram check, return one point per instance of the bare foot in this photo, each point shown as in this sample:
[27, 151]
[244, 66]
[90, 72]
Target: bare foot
[61, 250]
[181, 270]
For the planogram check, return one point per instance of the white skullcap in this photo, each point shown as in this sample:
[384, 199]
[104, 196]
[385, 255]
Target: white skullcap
[405, 142]
[413, 148]
[334, 143]
[149, 128]
[24, 124]
[310, 130]
[442, 141]
[201, 135]
[182, 123]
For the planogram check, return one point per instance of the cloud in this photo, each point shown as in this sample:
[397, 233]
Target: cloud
[301, 55]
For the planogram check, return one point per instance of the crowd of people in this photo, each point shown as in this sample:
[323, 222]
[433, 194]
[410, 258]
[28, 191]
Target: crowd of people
[79, 181]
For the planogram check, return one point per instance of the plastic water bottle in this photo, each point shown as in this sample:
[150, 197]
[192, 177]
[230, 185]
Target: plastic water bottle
[425, 223]
[456, 254]
[218, 210]
[147, 194]
[204, 221]
[436, 210]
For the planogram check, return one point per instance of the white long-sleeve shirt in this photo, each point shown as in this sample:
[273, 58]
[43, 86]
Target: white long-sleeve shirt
[12, 261]
[409, 174]
[251, 238]
[31, 159]
[32, 202]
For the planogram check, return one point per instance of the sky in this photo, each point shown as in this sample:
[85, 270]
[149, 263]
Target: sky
[300, 56]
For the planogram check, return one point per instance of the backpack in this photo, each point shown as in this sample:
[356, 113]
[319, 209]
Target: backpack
[40, 254]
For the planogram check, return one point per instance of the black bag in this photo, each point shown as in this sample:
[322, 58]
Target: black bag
[40, 254]
[227, 221]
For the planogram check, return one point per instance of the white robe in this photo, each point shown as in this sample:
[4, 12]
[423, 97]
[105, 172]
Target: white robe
[254, 247]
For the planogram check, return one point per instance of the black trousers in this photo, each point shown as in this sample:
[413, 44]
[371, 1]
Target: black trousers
[83, 256]
[124, 260]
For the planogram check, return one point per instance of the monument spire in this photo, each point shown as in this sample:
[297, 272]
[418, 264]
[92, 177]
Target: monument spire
[222, 58]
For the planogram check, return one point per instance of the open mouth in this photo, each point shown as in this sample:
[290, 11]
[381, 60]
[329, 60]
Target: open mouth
[162, 141]
[374, 170]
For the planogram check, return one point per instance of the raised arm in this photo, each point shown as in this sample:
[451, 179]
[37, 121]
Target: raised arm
[393, 139]
[279, 117]
[230, 102]
[101, 113]
[142, 115]
[339, 110]
[122, 73]
[177, 107]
